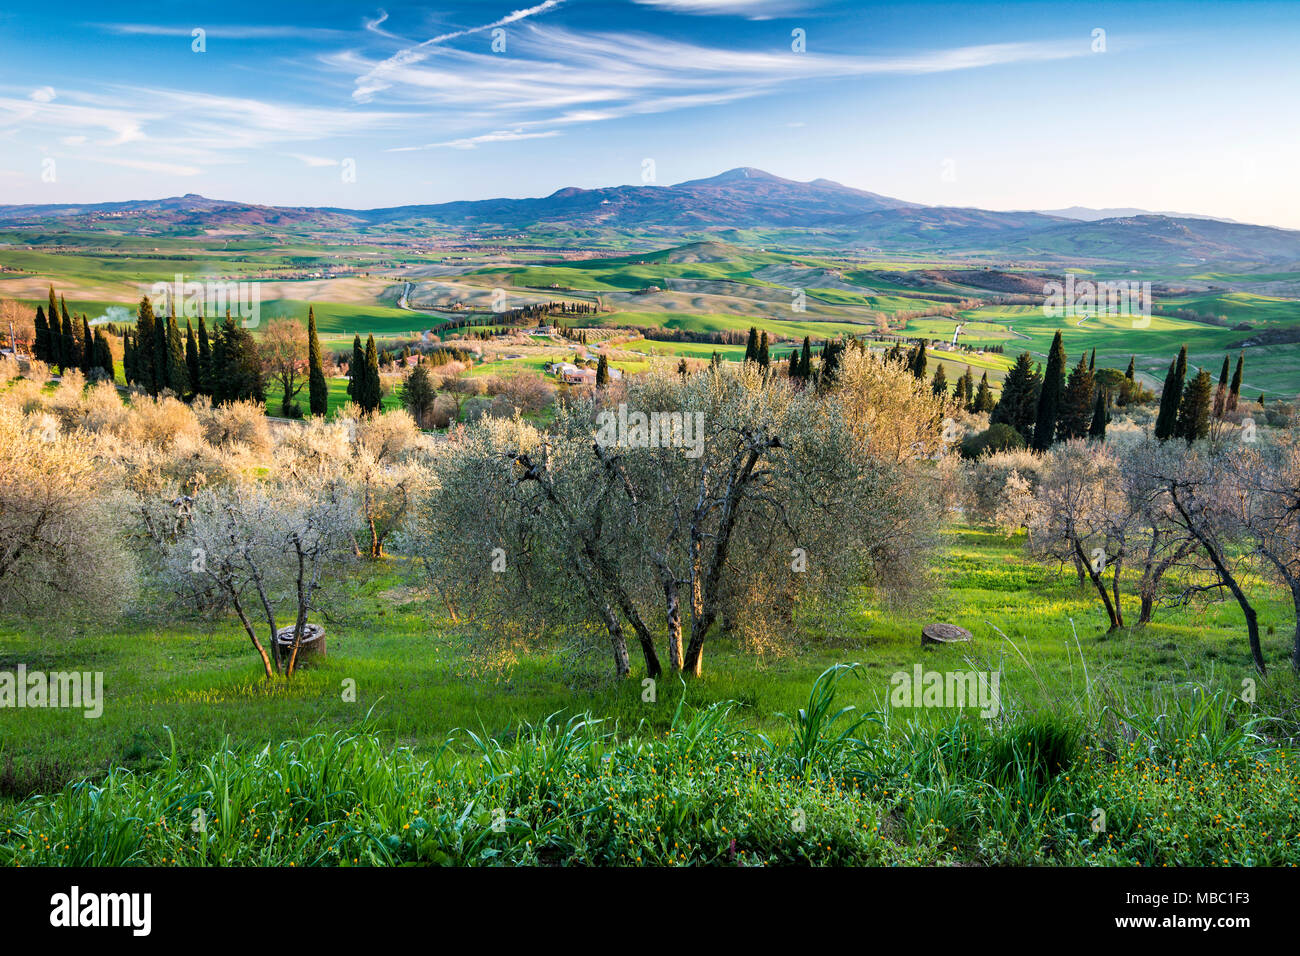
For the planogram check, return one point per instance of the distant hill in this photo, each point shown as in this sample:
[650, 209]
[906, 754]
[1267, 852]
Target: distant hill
[1088, 214]
[820, 211]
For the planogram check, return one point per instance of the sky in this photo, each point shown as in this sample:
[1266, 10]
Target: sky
[1185, 107]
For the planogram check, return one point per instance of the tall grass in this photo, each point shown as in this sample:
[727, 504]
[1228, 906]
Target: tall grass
[1192, 783]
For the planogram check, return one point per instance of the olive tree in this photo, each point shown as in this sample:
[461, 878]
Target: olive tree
[264, 546]
[1070, 518]
[1266, 504]
[59, 547]
[670, 505]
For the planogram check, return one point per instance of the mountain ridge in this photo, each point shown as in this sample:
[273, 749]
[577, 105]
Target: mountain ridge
[742, 198]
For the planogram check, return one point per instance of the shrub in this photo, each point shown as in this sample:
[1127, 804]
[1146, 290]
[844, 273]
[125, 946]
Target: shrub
[995, 438]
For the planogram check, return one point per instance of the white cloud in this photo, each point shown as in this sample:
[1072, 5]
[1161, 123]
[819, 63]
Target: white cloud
[150, 166]
[229, 31]
[470, 142]
[555, 76]
[313, 160]
[42, 94]
[753, 9]
[377, 78]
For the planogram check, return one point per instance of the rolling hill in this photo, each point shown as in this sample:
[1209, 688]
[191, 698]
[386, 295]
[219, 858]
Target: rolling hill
[820, 213]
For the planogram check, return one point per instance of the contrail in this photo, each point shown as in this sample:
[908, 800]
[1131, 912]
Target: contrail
[372, 81]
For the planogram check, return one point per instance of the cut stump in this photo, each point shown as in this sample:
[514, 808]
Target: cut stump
[312, 646]
[939, 633]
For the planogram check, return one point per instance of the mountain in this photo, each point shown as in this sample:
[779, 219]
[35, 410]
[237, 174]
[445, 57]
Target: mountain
[742, 197]
[819, 213]
[1088, 214]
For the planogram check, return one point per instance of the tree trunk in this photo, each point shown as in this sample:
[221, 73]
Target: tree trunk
[674, 616]
[252, 636]
[1148, 602]
[1114, 586]
[1252, 625]
[1100, 585]
[693, 663]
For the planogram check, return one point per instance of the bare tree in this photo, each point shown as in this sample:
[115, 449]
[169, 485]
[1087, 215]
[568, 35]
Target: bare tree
[263, 545]
[1071, 519]
[1267, 505]
[1204, 504]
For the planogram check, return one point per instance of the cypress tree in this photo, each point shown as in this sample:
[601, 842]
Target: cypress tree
[602, 371]
[1170, 397]
[192, 357]
[1221, 393]
[984, 395]
[178, 374]
[128, 358]
[236, 368]
[203, 384]
[751, 346]
[1076, 404]
[1194, 411]
[41, 347]
[87, 348]
[939, 384]
[373, 391]
[356, 371]
[1097, 430]
[919, 361]
[1018, 404]
[105, 353]
[1131, 374]
[792, 368]
[418, 394]
[160, 358]
[831, 352]
[1092, 362]
[1050, 396]
[805, 360]
[68, 358]
[764, 356]
[142, 346]
[318, 392]
[54, 348]
[1235, 391]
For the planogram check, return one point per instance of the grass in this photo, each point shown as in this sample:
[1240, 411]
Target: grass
[338, 397]
[416, 684]
[842, 788]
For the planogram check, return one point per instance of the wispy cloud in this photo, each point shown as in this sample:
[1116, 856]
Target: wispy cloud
[377, 78]
[470, 142]
[313, 160]
[229, 31]
[555, 76]
[752, 9]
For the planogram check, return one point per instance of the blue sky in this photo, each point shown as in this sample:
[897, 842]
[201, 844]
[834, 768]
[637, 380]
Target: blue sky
[1190, 107]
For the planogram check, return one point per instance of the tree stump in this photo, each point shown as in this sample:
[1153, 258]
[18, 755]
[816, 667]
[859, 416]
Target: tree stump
[312, 646]
[940, 633]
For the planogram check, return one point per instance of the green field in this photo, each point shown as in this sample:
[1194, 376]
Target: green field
[203, 681]
[191, 725]
[711, 287]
